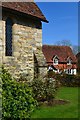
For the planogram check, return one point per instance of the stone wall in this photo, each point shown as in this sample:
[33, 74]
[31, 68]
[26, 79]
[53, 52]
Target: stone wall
[26, 41]
[0, 42]
[0, 34]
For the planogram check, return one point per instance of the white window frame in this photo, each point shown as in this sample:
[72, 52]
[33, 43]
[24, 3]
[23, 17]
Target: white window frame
[68, 71]
[55, 58]
[69, 61]
[50, 68]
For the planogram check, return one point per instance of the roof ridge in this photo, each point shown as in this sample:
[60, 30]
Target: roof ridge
[57, 45]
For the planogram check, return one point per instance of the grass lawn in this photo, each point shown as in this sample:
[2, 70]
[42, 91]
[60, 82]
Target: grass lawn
[69, 110]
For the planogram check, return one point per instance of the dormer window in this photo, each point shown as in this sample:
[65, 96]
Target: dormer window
[55, 60]
[69, 61]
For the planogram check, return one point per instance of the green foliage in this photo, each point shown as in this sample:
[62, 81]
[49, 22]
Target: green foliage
[70, 80]
[18, 102]
[0, 88]
[55, 76]
[0, 97]
[43, 89]
[65, 79]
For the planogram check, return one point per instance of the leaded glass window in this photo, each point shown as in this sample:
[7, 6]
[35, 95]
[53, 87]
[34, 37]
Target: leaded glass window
[8, 46]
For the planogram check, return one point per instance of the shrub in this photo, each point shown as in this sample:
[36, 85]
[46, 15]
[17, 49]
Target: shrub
[50, 88]
[56, 76]
[43, 89]
[18, 102]
[0, 97]
[70, 80]
[65, 79]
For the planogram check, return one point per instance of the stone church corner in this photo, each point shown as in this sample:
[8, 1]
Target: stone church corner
[21, 39]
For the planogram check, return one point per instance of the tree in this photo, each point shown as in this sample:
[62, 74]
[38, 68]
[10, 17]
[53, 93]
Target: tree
[64, 43]
[75, 48]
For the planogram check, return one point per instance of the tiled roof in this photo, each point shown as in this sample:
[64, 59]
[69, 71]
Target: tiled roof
[78, 61]
[78, 55]
[63, 52]
[29, 8]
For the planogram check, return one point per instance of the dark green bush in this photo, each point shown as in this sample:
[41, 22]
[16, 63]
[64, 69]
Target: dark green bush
[0, 97]
[65, 79]
[17, 99]
[70, 80]
[52, 74]
[43, 89]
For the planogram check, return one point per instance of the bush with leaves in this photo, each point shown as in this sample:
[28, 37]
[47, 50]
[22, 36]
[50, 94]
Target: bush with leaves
[18, 101]
[44, 89]
[70, 80]
[65, 79]
[0, 97]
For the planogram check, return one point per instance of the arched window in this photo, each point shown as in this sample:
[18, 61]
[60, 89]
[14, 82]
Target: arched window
[8, 47]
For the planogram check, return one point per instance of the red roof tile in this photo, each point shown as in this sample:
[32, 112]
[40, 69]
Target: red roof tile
[78, 55]
[29, 8]
[63, 52]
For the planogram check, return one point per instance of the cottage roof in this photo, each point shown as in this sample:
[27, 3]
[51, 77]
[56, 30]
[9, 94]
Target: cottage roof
[63, 52]
[29, 8]
[78, 55]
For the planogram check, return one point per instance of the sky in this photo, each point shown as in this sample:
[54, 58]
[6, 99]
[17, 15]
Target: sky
[63, 22]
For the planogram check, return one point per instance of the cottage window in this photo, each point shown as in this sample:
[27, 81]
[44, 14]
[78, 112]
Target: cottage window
[69, 71]
[50, 68]
[69, 61]
[55, 60]
[8, 43]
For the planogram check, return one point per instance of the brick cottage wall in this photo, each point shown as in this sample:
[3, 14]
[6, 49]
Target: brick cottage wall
[26, 43]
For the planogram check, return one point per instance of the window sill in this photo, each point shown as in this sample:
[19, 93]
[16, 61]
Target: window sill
[55, 63]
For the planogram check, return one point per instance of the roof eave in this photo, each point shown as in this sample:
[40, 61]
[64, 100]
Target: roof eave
[43, 20]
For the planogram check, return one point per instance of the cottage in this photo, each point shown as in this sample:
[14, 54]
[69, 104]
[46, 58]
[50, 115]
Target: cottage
[21, 39]
[60, 59]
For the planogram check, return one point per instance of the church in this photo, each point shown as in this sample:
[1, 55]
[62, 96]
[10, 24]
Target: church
[21, 39]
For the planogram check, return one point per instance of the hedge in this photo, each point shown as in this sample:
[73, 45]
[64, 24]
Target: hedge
[17, 98]
[70, 80]
[66, 79]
